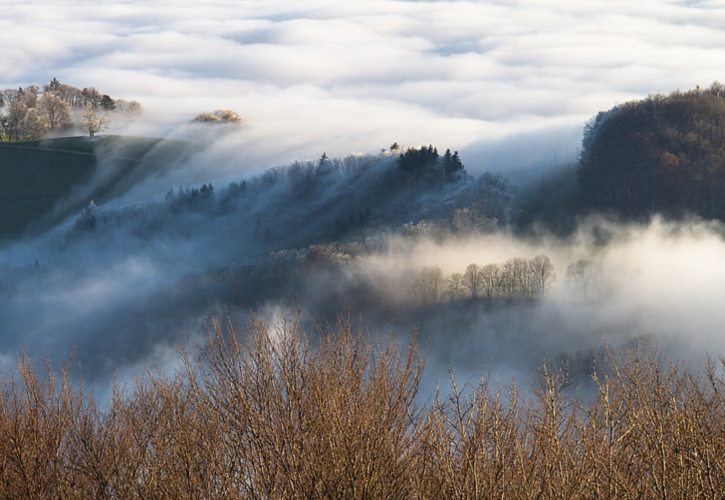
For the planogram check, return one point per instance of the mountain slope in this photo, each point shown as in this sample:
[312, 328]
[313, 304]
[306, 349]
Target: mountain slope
[43, 181]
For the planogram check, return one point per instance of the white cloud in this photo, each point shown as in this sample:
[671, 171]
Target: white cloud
[330, 76]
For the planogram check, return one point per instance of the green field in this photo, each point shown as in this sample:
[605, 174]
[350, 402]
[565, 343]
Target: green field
[41, 182]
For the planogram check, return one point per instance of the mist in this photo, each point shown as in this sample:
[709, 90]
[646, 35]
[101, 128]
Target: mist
[250, 218]
[122, 286]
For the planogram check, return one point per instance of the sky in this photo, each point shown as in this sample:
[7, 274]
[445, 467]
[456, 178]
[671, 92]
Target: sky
[509, 83]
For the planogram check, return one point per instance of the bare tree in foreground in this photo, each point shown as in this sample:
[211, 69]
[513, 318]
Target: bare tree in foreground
[272, 414]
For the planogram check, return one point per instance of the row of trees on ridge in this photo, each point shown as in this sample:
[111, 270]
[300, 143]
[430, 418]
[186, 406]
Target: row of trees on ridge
[31, 112]
[426, 165]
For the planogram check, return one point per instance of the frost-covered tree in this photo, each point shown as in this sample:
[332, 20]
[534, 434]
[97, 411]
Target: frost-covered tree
[472, 279]
[14, 119]
[33, 126]
[220, 116]
[54, 111]
[456, 287]
[94, 120]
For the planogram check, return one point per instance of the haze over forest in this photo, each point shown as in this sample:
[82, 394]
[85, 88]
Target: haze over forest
[508, 183]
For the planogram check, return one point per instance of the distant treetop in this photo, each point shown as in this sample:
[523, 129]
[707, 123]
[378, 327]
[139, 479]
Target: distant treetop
[219, 117]
[424, 164]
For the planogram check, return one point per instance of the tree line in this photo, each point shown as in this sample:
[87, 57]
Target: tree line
[30, 112]
[515, 278]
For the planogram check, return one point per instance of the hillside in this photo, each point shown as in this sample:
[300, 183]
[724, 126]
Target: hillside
[663, 154]
[263, 239]
[43, 181]
[329, 201]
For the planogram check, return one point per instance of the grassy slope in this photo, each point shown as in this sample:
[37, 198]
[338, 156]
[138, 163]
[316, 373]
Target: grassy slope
[36, 175]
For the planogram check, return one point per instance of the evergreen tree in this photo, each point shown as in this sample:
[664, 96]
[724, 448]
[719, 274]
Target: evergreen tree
[107, 103]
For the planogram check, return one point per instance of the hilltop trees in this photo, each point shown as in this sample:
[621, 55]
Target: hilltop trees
[55, 112]
[219, 117]
[425, 165]
[33, 126]
[452, 164]
[418, 161]
[14, 117]
[661, 154]
[94, 120]
[29, 113]
[22, 122]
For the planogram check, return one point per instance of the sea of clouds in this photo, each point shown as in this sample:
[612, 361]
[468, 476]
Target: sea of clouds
[486, 77]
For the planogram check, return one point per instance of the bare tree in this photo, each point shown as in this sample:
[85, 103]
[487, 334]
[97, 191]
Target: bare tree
[542, 271]
[489, 277]
[70, 94]
[425, 286]
[30, 96]
[473, 280]
[456, 287]
[585, 276]
[54, 111]
[15, 117]
[33, 126]
[268, 413]
[515, 278]
[94, 120]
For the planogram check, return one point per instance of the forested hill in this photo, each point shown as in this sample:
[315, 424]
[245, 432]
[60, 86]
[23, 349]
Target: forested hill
[319, 202]
[663, 154]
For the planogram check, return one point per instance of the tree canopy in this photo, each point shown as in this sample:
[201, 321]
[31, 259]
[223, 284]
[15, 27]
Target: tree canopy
[425, 165]
[661, 154]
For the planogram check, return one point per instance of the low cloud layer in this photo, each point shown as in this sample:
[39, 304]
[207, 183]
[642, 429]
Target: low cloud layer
[123, 287]
[508, 83]
[341, 76]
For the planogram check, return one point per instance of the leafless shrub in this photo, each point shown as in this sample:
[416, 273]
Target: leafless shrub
[272, 414]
